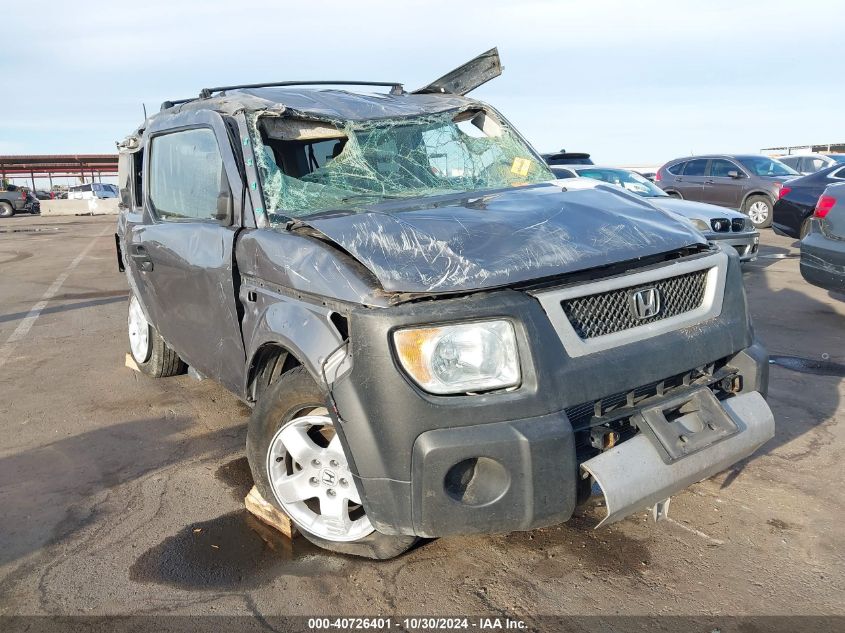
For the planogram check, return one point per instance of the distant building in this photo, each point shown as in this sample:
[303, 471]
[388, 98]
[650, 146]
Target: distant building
[829, 148]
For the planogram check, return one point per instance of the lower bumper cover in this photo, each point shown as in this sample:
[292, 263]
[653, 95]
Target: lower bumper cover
[499, 477]
[634, 475]
[746, 245]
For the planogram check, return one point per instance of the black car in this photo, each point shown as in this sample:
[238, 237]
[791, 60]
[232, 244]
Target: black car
[823, 245]
[798, 198]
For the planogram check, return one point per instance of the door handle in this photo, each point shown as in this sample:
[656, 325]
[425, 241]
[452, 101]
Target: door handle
[708, 182]
[141, 257]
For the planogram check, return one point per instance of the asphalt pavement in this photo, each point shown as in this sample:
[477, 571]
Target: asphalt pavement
[120, 494]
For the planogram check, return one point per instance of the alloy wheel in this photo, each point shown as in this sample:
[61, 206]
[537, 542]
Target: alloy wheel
[311, 480]
[758, 212]
[139, 332]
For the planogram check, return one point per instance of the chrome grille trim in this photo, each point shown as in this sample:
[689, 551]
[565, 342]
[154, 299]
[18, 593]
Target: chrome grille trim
[715, 267]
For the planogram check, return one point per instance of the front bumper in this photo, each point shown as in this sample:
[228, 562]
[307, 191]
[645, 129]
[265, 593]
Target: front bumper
[497, 462]
[746, 244]
[634, 474]
[823, 260]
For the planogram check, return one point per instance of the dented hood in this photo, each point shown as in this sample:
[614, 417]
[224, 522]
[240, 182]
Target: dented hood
[483, 241]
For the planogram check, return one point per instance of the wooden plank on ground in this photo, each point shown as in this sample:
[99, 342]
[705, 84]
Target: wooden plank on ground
[130, 362]
[268, 513]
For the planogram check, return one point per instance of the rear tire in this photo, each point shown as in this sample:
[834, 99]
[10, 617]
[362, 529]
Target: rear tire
[295, 402]
[675, 194]
[759, 209]
[6, 210]
[149, 351]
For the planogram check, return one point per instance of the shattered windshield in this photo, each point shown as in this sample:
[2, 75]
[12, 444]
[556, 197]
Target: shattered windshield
[307, 167]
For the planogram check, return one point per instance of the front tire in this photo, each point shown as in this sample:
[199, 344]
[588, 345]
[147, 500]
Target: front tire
[759, 210]
[299, 465]
[675, 194]
[149, 351]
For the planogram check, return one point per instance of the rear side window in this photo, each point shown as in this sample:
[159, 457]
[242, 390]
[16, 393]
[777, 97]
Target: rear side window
[695, 167]
[677, 169]
[185, 175]
[813, 164]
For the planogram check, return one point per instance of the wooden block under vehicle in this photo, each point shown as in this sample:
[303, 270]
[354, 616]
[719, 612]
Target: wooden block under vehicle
[130, 362]
[268, 513]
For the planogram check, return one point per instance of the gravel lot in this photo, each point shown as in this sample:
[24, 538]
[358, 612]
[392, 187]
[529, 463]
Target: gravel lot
[123, 495]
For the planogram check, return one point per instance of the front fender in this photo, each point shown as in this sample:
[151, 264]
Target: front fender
[305, 330]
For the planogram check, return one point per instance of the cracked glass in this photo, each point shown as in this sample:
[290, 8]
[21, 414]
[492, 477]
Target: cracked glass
[308, 167]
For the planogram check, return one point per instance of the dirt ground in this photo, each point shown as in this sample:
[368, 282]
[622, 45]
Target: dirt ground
[120, 494]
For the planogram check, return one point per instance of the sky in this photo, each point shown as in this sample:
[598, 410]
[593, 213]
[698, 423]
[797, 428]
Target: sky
[632, 83]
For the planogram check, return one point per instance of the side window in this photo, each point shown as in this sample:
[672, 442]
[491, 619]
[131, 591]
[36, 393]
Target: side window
[695, 167]
[816, 164]
[677, 169]
[839, 173]
[792, 161]
[719, 167]
[185, 175]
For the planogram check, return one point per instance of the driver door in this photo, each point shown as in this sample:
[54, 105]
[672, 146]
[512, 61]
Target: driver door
[181, 252]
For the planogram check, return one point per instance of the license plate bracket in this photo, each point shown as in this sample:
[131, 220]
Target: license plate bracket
[685, 424]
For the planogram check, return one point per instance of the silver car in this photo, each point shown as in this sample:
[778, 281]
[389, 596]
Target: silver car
[718, 224]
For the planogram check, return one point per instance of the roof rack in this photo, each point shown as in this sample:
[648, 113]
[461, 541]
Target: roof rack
[395, 87]
[174, 102]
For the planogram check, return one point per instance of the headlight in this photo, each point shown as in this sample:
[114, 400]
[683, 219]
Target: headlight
[701, 225]
[460, 358]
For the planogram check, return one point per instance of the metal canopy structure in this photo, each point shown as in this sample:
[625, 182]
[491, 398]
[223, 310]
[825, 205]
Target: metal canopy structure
[87, 167]
[835, 148]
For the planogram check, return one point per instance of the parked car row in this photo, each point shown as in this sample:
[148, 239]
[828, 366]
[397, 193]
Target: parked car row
[728, 197]
[716, 223]
[747, 182]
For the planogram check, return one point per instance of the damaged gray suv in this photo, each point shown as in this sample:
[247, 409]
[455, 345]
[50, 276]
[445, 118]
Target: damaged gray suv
[436, 336]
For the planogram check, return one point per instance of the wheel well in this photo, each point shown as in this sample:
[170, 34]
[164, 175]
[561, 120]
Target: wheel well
[268, 364]
[756, 193]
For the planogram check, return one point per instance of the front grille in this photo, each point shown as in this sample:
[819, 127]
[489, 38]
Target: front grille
[720, 225]
[738, 224]
[610, 312]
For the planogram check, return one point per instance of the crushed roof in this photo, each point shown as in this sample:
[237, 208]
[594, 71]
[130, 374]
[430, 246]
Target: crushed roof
[336, 105]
